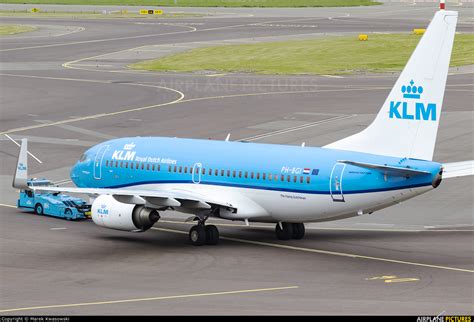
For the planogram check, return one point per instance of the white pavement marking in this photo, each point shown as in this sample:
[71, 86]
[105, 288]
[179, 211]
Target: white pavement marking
[18, 145]
[297, 128]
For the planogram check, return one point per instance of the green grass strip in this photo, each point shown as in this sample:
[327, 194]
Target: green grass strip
[6, 30]
[332, 55]
[208, 3]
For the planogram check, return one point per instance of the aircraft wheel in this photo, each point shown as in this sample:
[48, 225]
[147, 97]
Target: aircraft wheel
[286, 233]
[212, 235]
[39, 209]
[298, 231]
[197, 235]
[68, 214]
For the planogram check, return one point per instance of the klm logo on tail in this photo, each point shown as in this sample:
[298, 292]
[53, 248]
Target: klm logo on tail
[412, 110]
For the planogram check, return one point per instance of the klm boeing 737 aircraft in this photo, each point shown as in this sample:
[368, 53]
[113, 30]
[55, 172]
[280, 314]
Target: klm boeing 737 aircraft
[133, 180]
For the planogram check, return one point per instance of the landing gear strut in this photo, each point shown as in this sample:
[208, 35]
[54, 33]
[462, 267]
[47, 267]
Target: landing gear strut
[201, 234]
[289, 231]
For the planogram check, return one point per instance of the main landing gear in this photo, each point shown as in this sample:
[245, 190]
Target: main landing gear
[202, 234]
[286, 231]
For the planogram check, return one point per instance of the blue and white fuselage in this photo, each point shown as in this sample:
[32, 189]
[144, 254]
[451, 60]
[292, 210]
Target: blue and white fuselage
[265, 182]
[134, 180]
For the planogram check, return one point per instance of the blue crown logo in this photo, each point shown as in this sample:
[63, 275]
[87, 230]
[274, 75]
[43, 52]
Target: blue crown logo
[412, 91]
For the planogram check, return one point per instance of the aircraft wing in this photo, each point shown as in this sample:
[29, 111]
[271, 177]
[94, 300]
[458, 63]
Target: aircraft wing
[458, 169]
[152, 198]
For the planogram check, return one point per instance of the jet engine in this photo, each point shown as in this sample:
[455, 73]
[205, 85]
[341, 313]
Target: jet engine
[110, 213]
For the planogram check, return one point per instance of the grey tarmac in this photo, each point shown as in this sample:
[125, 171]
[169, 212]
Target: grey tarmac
[70, 91]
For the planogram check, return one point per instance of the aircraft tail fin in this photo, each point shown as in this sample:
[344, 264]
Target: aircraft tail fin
[407, 123]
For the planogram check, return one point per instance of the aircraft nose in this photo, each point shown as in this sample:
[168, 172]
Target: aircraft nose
[75, 174]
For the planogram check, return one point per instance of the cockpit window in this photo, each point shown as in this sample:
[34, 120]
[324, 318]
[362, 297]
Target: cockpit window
[83, 158]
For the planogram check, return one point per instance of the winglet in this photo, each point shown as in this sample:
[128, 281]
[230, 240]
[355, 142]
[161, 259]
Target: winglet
[21, 172]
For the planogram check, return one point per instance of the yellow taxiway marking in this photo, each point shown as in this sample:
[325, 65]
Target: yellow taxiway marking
[326, 228]
[160, 298]
[193, 29]
[401, 280]
[310, 250]
[74, 62]
[142, 108]
[94, 116]
[326, 252]
[215, 75]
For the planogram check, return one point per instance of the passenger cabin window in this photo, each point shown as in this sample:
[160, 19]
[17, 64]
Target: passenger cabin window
[153, 167]
[233, 173]
[228, 173]
[180, 169]
[246, 175]
[308, 179]
[264, 175]
[258, 175]
[216, 172]
[175, 168]
[222, 173]
[107, 163]
[270, 176]
[185, 169]
[148, 166]
[116, 164]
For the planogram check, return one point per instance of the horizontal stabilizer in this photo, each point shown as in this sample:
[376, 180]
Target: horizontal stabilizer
[458, 169]
[386, 169]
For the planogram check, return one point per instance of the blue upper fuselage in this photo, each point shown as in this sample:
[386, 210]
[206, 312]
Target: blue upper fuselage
[129, 162]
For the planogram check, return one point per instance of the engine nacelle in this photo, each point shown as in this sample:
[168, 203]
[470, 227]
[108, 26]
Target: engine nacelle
[110, 213]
